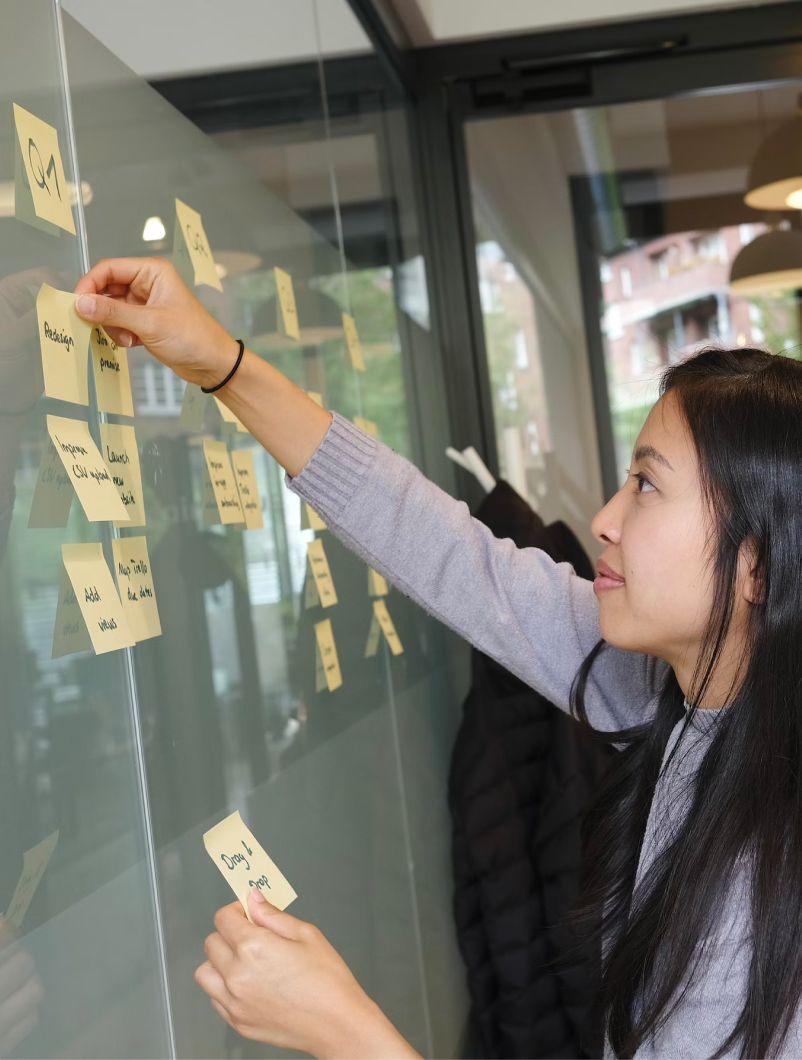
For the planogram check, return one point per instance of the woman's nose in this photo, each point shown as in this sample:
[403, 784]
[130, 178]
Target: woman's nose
[606, 523]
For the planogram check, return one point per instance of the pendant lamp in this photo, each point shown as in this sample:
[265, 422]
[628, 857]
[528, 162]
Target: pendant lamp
[772, 262]
[775, 175]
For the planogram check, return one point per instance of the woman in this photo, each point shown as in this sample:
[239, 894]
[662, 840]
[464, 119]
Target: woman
[684, 653]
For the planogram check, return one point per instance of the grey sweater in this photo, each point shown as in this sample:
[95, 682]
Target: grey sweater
[539, 620]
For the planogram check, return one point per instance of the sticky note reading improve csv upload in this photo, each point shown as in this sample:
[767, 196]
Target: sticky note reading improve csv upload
[88, 473]
[245, 864]
[64, 345]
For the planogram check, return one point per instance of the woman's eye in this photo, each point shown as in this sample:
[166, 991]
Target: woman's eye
[641, 479]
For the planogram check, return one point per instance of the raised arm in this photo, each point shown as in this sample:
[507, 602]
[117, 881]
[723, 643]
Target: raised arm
[533, 615]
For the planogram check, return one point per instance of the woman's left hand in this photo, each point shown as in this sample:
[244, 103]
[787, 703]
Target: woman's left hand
[280, 981]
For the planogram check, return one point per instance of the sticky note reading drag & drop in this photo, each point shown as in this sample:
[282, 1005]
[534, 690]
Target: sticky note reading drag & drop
[245, 864]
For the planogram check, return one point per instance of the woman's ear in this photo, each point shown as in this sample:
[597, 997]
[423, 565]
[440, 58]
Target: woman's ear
[749, 573]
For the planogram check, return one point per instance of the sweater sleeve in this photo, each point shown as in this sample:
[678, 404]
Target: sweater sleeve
[534, 616]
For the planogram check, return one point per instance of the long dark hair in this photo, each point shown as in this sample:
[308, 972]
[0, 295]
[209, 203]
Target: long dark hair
[743, 408]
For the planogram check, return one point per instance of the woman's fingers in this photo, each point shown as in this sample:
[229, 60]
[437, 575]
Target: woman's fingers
[138, 273]
[219, 953]
[265, 914]
[212, 983]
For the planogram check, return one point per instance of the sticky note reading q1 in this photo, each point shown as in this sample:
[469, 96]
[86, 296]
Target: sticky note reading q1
[245, 864]
[192, 242]
[40, 186]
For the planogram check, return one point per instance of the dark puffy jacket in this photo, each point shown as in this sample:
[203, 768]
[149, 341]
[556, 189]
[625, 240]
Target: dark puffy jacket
[522, 775]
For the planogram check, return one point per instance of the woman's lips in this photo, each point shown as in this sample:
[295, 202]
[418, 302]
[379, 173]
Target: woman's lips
[602, 582]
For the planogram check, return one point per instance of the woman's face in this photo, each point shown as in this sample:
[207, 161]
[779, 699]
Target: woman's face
[657, 537]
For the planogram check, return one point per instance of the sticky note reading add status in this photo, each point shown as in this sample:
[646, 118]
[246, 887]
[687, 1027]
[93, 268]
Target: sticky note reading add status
[64, 345]
[245, 864]
[88, 473]
[96, 596]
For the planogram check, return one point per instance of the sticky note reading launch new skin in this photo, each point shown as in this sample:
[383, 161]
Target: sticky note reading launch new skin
[194, 243]
[97, 597]
[64, 345]
[121, 454]
[41, 180]
[89, 475]
[245, 864]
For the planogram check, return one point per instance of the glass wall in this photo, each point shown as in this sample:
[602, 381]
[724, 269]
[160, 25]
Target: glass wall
[129, 756]
[614, 230]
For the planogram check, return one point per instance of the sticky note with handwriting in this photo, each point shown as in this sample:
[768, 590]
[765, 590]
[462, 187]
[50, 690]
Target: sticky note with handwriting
[34, 863]
[64, 345]
[53, 492]
[327, 663]
[382, 623]
[70, 634]
[353, 343]
[193, 408]
[287, 309]
[97, 596]
[121, 455]
[192, 242]
[112, 377]
[88, 473]
[244, 863]
[224, 486]
[248, 488]
[135, 583]
[325, 592]
[40, 184]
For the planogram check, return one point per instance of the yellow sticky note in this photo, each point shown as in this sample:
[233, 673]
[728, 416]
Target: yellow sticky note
[317, 398]
[368, 426]
[34, 863]
[310, 520]
[230, 417]
[327, 662]
[224, 486]
[70, 634]
[248, 488]
[287, 310]
[64, 344]
[353, 343]
[135, 584]
[377, 584]
[196, 244]
[381, 622]
[88, 473]
[97, 597]
[121, 455]
[112, 377]
[193, 408]
[53, 493]
[319, 565]
[44, 170]
[244, 863]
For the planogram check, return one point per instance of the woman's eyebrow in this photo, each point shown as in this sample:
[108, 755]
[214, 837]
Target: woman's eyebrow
[646, 452]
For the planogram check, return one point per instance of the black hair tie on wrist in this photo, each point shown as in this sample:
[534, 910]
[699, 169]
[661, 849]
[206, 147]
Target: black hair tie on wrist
[211, 389]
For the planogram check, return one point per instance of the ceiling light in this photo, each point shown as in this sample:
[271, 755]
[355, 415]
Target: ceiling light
[772, 262]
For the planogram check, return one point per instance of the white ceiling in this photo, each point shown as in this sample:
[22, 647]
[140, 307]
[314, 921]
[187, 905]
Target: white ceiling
[444, 21]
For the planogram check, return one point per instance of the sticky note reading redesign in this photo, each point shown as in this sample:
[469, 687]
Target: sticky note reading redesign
[382, 623]
[121, 455]
[224, 486]
[321, 587]
[88, 473]
[40, 184]
[64, 345]
[135, 583]
[34, 863]
[353, 343]
[248, 488]
[112, 377]
[327, 663]
[97, 597]
[191, 242]
[287, 309]
[244, 863]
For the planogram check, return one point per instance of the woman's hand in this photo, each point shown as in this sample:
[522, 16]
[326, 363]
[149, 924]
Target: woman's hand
[280, 981]
[144, 300]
